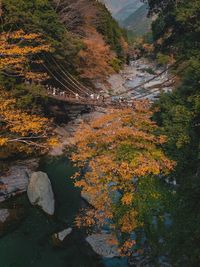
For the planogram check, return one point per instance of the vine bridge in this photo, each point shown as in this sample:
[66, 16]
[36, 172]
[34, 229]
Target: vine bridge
[76, 93]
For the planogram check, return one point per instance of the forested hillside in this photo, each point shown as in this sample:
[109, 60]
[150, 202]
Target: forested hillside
[40, 39]
[121, 9]
[176, 33]
[136, 161]
[158, 191]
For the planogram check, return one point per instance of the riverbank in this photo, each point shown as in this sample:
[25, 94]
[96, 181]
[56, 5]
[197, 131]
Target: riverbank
[14, 180]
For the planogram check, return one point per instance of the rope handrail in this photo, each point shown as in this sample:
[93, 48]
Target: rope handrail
[69, 81]
[62, 78]
[52, 74]
[75, 81]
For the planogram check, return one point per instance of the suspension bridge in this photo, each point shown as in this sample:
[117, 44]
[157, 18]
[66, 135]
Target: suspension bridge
[76, 93]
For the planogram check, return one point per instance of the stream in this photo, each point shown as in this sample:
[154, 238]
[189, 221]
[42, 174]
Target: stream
[30, 243]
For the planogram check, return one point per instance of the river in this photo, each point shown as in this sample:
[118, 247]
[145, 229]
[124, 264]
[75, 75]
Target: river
[30, 243]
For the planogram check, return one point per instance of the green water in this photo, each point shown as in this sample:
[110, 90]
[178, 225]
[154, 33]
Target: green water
[30, 243]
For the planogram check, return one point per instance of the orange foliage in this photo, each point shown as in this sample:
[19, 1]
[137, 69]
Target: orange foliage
[95, 56]
[19, 127]
[118, 147]
[17, 51]
[21, 131]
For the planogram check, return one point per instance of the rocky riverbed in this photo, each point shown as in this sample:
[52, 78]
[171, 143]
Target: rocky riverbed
[134, 74]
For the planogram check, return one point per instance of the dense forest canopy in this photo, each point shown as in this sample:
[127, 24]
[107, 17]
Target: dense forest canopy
[142, 164]
[175, 39]
[41, 38]
[176, 33]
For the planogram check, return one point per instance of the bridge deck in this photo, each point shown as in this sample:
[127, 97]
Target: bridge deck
[92, 102]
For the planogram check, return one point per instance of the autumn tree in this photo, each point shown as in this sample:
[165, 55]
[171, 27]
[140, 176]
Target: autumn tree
[21, 131]
[95, 56]
[120, 150]
[17, 53]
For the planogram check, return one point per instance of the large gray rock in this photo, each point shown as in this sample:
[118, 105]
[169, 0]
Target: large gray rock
[104, 244]
[15, 180]
[40, 192]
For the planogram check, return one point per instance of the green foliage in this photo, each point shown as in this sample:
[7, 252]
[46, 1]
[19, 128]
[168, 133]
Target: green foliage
[40, 17]
[176, 32]
[29, 96]
[116, 64]
[179, 116]
[162, 59]
[111, 30]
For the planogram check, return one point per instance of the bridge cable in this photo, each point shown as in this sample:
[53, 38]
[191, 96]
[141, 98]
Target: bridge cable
[76, 88]
[57, 79]
[72, 77]
[73, 83]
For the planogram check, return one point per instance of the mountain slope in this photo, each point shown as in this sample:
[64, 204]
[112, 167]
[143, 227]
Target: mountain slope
[121, 9]
[127, 10]
[131, 14]
[138, 21]
[116, 5]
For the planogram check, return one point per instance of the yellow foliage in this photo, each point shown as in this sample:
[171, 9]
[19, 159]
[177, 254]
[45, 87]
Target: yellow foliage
[118, 147]
[53, 141]
[3, 141]
[21, 131]
[17, 50]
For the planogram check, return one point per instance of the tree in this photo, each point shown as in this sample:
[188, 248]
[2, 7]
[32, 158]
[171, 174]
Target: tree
[119, 149]
[95, 57]
[17, 54]
[20, 131]
[23, 129]
[176, 34]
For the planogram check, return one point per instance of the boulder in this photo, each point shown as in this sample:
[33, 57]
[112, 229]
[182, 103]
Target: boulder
[15, 180]
[104, 244]
[60, 236]
[40, 192]
[87, 197]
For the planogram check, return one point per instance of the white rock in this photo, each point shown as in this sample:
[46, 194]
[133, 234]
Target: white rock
[4, 214]
[104, 244]
[87, 197]
[40, 192]
[63, 234]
